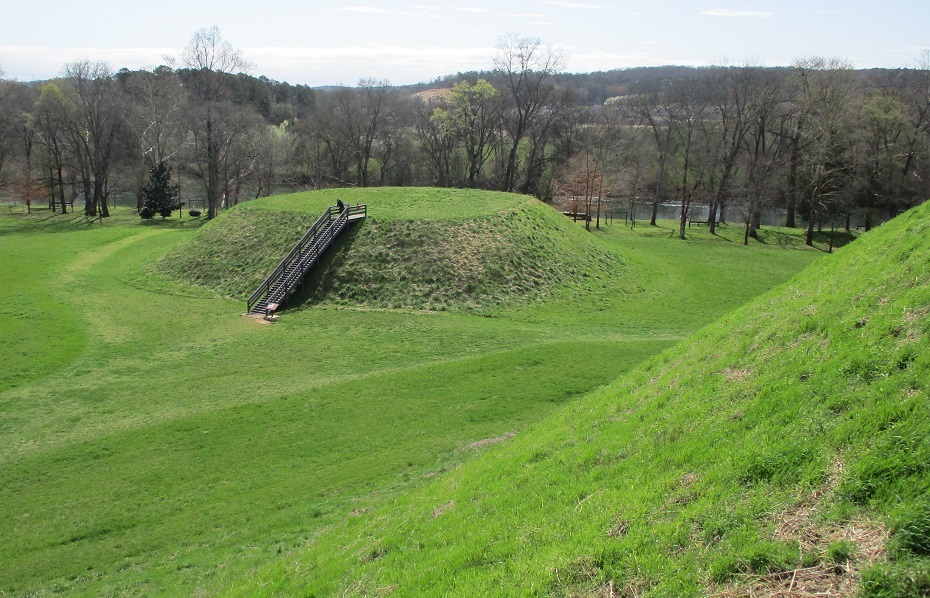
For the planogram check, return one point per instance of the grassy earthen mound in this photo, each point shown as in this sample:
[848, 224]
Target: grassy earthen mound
[467, 250]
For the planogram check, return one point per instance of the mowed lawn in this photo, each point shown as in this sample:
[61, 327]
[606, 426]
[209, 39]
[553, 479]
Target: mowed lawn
[152, 440]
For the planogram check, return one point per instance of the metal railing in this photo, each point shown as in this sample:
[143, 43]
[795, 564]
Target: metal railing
[306, 251]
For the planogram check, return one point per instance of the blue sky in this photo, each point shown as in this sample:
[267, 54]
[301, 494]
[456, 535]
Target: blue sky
[407, 41]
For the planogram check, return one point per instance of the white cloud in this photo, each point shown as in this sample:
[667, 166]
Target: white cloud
[723, 12]
[348, 64]
[296, 65]
[365, 9]
[598, 60]
[563, 4]
[477, 10]
[29, 63]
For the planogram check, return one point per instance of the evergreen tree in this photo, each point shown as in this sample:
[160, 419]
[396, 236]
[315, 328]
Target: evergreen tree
[159, 195]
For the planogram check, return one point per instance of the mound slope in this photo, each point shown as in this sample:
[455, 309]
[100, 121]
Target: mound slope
[784, 448]
[468, 250]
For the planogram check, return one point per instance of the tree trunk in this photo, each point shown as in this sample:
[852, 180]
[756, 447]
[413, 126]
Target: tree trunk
[61, 191]
[510, 176]
[755, 220]
[90, 206]
[51, 189]
[809, 241]
[685, 208]
[658, 197]
[100, 199]
[213, 172]
[792, 192]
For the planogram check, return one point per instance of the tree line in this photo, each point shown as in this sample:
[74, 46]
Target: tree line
[819, 139]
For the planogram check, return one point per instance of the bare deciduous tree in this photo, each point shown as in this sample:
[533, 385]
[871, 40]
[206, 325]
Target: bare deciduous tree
[49, 117]
[660, 116]
[207, 50]
[213, 119]
[825, 90]
[155, 118]
[98, 113]
[525, 66]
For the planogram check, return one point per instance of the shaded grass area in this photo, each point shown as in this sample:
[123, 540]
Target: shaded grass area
[786, 437]
[167, 445]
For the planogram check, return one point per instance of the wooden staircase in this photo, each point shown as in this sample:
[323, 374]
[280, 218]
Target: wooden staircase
[276, 289]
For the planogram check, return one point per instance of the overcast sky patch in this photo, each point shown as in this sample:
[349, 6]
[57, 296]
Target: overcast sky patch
[368, 9]
[561, 4]
[724, 12]
[445, 36]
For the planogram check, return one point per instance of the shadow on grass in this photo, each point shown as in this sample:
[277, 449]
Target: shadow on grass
[779, 238]
[841, 238]
[46, 221]
[318, 281]
[797, 240]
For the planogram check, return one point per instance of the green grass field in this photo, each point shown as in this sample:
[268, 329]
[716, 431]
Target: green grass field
[154, 441]
[782, 450]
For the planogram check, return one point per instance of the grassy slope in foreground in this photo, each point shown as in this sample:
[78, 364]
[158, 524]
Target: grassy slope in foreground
[781, 447]
[420, 248]
[150, 446]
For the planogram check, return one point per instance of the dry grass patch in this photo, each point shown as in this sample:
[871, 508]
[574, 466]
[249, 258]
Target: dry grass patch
[490, 441]
[842, 551]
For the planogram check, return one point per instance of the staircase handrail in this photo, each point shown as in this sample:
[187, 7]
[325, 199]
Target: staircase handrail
[324, 219]
[333, 226]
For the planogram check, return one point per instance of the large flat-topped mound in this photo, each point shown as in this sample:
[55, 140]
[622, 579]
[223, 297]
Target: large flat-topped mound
[419, 248]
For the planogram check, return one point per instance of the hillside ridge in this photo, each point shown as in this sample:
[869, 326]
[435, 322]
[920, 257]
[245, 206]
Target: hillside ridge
[781, 448]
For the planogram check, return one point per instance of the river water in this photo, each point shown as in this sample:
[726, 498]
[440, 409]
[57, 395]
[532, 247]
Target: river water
[734, 216]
